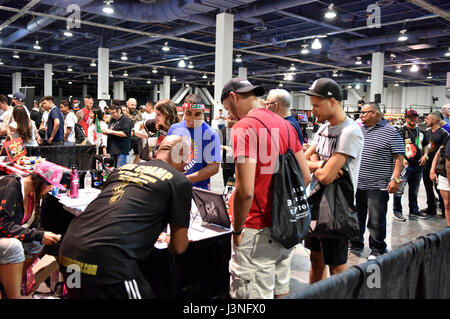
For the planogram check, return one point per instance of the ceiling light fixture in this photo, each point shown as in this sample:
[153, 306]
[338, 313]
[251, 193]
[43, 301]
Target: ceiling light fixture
[305, 49]
[396, 84]
[288, 77]
[124, 56]
[357, 86]
[316, 45]
[166, 48]
[292, 68]
[398, 69]
[69, 68]
[369, 80]
[414, 68]
[174, 79]
[182, 64]
[349, 86]
[280, 85]
[190, 65]
[1, 62]
[331, 13]
[204, 76]
[125, 73]
[238, 58]
[358, 60]
[429, 76]
[402, 36]
[448, 52]
[70, 82]
[36, 45]
[110, 74]
[67, 33]
[154, 71]
[335, 74]
[16, 55]
[149, 82]
[93, 64]
[108, 9]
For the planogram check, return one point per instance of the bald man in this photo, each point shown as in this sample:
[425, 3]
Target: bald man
[120, 227]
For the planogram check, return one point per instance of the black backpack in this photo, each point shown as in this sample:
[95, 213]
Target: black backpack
[440, 168]
[291, 214]
[80, 135]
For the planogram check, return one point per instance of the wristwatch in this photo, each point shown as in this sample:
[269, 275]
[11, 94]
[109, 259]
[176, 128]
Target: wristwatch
[397, 180]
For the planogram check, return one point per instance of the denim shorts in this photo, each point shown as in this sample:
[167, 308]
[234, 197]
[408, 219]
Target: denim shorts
[13, 251]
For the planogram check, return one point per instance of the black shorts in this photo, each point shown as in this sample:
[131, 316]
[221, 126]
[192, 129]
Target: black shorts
[136, 145]
[334, 251]
[127, 289]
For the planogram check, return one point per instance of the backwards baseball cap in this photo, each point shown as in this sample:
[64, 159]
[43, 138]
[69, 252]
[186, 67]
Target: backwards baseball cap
[412, 113]
[51, 173]
[240, 85]
[17, 96]
[326, 88]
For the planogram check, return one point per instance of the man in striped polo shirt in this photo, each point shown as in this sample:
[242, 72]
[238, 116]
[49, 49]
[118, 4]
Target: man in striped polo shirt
[379, 175]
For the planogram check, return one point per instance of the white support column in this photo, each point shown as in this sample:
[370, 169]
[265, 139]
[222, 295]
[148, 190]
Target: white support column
[48, 79]
[85, 89]
[16, 81]
[376, 86]
[165, 92]
[155, 93]
[103, 74]
[224, 56]
[119, 92]
[447, 91]
[243, 72]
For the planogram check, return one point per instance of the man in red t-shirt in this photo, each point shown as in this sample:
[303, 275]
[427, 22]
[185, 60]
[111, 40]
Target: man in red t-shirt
[259, 266]
[83, 114]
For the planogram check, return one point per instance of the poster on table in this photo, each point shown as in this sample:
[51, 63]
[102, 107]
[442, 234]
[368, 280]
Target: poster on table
[15, 149]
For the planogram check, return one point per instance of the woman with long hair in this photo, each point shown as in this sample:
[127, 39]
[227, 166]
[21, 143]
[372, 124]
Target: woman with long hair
[166, 115]
[20, 207]
[23, 127]
[95, 136]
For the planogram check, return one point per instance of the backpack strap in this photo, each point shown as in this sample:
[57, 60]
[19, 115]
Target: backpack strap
[289, 138]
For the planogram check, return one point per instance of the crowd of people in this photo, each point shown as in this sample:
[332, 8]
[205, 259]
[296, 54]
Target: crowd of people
[174, 153]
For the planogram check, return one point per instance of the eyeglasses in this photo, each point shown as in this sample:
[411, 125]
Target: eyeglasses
[364, 112]
[270, 103]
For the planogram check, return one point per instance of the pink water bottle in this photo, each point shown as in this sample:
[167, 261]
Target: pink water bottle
[74, 182]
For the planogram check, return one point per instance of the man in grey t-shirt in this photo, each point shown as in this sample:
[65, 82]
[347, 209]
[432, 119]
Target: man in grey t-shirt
[337, 146]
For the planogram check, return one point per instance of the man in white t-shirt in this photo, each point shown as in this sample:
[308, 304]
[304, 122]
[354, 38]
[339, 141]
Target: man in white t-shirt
[5, 114]
[149, 113]
[69, 123]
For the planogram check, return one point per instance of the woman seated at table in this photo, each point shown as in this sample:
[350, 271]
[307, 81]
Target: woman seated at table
[20, 207]
[166, 115]
[95, 135]
[23, 127]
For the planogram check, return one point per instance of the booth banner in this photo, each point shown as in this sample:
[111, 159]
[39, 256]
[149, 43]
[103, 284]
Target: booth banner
[15, 149]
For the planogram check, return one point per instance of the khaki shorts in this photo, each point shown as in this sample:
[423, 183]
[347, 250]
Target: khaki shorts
[260, 267]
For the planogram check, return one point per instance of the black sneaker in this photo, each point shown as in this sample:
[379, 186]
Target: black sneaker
[428, 211]
[374, 254]
[399, 216]
[420, 215]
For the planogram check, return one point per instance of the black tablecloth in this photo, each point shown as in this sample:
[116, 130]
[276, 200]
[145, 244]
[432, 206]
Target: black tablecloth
[200, 272]
[80, 155]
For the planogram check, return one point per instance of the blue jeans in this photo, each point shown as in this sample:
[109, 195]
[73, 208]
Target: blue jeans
[374, 204]
[119, 159]
[412, 177]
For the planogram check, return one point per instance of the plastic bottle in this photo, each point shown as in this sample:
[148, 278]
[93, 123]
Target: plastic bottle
[74, 182]
[88, 180]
